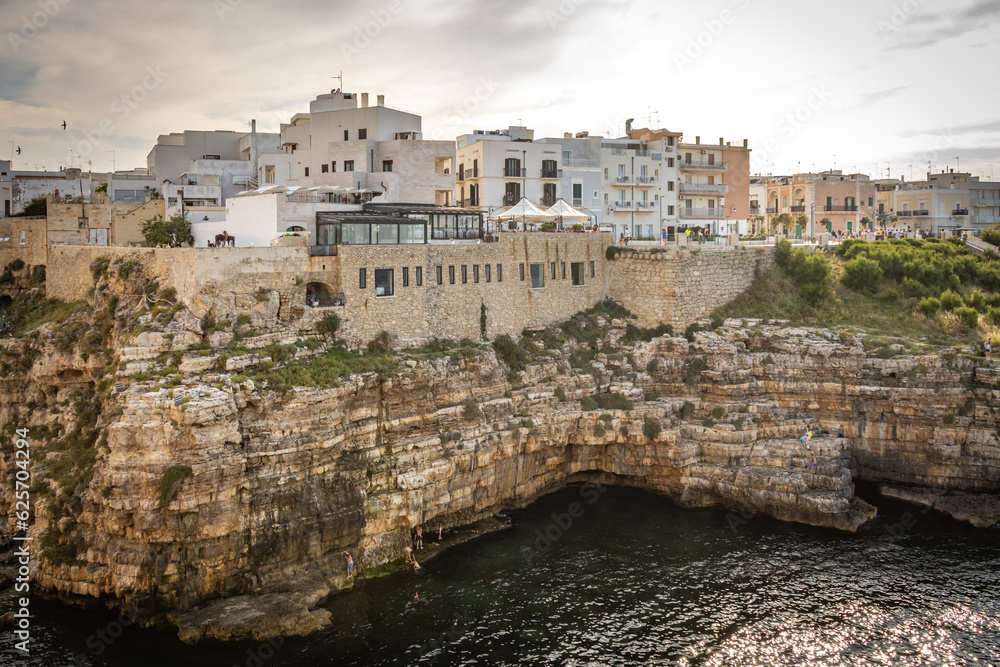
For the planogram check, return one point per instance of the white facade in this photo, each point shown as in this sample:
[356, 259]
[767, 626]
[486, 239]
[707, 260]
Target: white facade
[582, 182]
[498, 171]
[6, 183]
[26, 185]
[343, 141]
[639, 186]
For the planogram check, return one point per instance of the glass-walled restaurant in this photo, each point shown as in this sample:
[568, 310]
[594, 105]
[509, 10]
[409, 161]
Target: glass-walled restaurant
[396, 225]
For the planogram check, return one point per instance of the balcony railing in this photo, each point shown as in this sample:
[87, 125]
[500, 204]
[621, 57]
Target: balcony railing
[711, 213]
[840, 208]
[648, 205]
[323, 250]
[960, 211]
[646, 180]
[798, 209]
[623, 180]
[705, 189]
[552, 173]
[911, 214]
[622, 205]
[772, 210]
[460, 177]
[514, 173]
[705, 164]
[986, 202]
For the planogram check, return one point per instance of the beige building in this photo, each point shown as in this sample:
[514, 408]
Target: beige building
[714, 186]
[943, 201]
[639, 182]
[831, 201]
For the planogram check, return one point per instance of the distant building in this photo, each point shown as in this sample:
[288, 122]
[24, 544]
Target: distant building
[497, 169]
[639, 183]
[831, 201]
[582, 182]
[19, 187]
[343, 141]
[715, 186]
[942, 201]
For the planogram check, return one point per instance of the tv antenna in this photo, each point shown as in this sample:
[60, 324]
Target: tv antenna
[340, 77]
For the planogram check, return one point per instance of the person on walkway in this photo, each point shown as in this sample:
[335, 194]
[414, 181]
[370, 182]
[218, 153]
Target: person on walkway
[663, 236]
[350, 564]
[989, 348]
[628, 235]
[419, 541]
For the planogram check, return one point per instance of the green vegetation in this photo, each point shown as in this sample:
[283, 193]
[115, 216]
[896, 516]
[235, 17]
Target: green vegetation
[470, 410]
[36, 206]
[560, 393]
[327, 370]
[687, 410]
[171, 481]
[651, 428]
[941, 291]
[615, 401]
[174, 232]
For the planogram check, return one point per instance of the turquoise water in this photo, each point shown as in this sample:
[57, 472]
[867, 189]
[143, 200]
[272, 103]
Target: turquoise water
[627, 578]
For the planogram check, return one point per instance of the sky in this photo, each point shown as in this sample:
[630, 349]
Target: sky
[884, 87]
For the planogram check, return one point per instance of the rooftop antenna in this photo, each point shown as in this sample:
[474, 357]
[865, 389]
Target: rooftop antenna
[340, 77]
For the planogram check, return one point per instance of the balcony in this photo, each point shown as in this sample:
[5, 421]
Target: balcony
[622, 206]
[514, 173]
[704, 165]
[704, 189]
[648, 181]
[701, 213]
[460, 177]
[551, 173]
[912, 214]
[623, 180]
[840, 208]
[975, 202]
[798, 209]
[960, 211]
[648, 206]
[772, 210]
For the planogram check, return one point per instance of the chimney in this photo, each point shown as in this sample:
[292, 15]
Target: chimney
[722, 141]
[697, 140]
[567, 135]
[364, 100]
[381, 100]
[746, 143]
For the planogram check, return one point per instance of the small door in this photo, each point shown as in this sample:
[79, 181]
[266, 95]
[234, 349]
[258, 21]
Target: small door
[798, 231]
[829, 227]
[850, 226]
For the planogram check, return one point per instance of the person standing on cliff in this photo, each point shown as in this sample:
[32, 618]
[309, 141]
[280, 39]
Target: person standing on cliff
[419, 541]
[989, 348]
[440, 530]
[350, 564]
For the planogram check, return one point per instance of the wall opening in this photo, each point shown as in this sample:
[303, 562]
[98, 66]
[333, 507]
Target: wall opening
[319, 295]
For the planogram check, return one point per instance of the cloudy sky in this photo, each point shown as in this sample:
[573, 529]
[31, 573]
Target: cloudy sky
[873, 82]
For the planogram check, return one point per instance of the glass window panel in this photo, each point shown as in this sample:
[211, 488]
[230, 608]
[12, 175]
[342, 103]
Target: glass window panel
[355, 233]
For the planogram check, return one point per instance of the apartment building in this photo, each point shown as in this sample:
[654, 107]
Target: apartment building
[496, 169]
[343, 141]
[714, 186]
[582, 181]
[831, 201]
[639, 183]
[17, 188]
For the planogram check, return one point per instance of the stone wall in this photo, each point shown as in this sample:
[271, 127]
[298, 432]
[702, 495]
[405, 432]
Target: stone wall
[682, 285]
[454, 309]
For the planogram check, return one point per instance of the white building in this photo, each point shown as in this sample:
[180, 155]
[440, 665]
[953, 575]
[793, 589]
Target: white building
[17, 188]
[582, 182]
[343, 141]
[640, 185]
[497, 169]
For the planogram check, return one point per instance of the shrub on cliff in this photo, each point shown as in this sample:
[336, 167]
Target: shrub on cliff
[950, 301]
[16, 265]
[510, 353]
[470, 410]
[991, 235]
[171, 481]
[783, 253]
[380, 344]
[328, 326]
[862, 275]
[929, 306]
[968, 316]
[813, 274]
[651, 428]
[174, 232]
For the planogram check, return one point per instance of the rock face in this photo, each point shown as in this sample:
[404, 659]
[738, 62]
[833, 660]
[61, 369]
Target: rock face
[280, 485]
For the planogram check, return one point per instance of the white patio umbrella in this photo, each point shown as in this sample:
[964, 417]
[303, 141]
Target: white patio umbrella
[563, 211]
[526, 212]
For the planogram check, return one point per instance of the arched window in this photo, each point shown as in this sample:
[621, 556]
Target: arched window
[296, 228]
[784, 202]
[318, 296]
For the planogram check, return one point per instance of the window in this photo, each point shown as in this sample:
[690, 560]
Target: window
[670, 162]
[488, 273]
[522, 272]
[383, 282]
[451, 275]
[537, 276]
[333, 166]
[363, 133]
[419, 276]
[567, 154]
[386, 165]
[871, 201]
[562, 270]
[512, 193]
[324, 168]
[552, 268]
[591, 269]
[346, 136]
[576, 272]
[475, 273]
[307, 171]
[348, 165]
[670, 210]
[406, 276]
[465, 274]
[440, 275]
[670, 186]
[22, 238]
[362, 279]
[500, 273]
[578, 194]
[81, 223]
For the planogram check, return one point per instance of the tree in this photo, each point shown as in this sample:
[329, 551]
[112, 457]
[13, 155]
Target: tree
[103, 187]
[827, 224]
[866, 223]
[782, 221]
[37, 206]
[174, 232]
[803, 222]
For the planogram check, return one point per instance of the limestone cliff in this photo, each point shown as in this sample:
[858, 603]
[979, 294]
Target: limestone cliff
[223, 507]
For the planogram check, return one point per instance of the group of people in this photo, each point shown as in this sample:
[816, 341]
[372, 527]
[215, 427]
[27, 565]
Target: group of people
[624, 237]
[418, 543]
